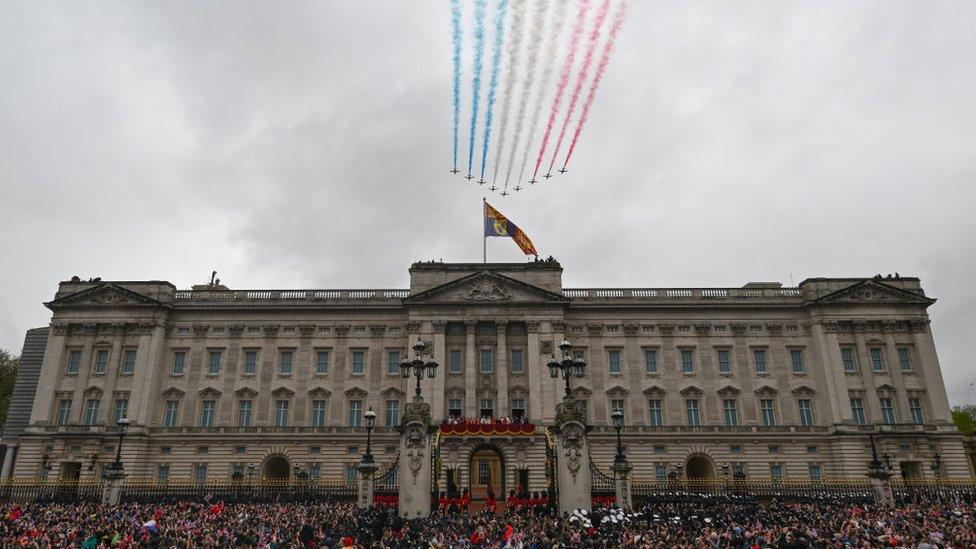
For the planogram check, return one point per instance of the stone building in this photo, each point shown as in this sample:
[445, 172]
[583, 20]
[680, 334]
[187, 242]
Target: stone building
[764, 380]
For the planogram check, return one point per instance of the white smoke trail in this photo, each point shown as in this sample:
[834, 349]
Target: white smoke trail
[549, 66]
[511, 74]
[537, 29]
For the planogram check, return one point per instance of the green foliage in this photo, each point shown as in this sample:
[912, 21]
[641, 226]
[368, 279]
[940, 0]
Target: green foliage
[965, 419]
[8, 374]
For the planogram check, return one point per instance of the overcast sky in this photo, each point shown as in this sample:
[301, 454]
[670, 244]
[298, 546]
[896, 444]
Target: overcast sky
[291, 144]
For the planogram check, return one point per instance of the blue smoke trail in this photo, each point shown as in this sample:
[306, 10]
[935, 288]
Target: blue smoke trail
[456, 36]
[496, 61]
[479, 46]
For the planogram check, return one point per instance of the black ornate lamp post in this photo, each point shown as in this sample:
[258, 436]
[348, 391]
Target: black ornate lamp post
[92, 461]
[568, 366]
[370, 416]
[123, 424]
[937, 465]
[417, 366]
[250, 472]
[618, 423]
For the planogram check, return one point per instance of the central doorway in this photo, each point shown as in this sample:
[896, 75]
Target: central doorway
[276, 467]
[486, 472]
[700, 467]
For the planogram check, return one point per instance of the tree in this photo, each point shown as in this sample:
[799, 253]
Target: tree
[965, 419]
[8, 374]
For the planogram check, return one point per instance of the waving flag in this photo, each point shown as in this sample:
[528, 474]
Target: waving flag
[497, 224]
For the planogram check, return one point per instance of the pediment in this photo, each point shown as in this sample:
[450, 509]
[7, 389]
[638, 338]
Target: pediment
[872, 291]
[617, 390]
[729, 391]
[283, 392]
[885, 388]
[355, 392]
[581, 392]
[92, 391]
[455, 390]
[320, 392]
[392, 392]
[174, 392]
[105, 294]
[654, 390]
[209, 392]
[691, 390]
[803, 390]
[246, 392]
[766, 390]
[486, 287]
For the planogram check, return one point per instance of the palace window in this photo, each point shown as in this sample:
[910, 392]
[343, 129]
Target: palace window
[691, 408]
[162, 472]
[207, 413]
[518, 366]
[487, 408]
[200, 472]
[687, 361]
[768, 412]
[285, 367]
[806, 412]
[74, 360]
[214, 363]
[358, 361]
[650, 361]
[759, 359]
[776, 471]
[179, 361]
[617, 405]
[857, 411]
[64, 411]
[915, 405]
[355, 413]
[724, 363]
[171, 413]
[518, 407]
[318, 413]
[877, 359]
[731, 412]
[815, 471]
[887, 411]
[392, 413]
[905, 359]
[121, 408]
[656, 418]
[250, 362]
[850, 360]
[244, 413]
[454, 407]
[101, 361]
[613, 357]
[91, 411]
[455, 361]
[314, 470]
[321, 362]
[393, 363]
[486, 361]
[661, 472]
[796, 357]
[351, 475]
[128, 362]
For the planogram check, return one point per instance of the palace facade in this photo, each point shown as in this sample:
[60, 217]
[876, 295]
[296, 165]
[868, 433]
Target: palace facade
[763, 380]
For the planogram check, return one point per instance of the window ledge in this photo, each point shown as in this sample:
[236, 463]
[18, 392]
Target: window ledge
[851, 373]
[248, 375]
[171, 374]
[617, 374]
[762, 374]
[284, 375]
[361, 374]
[726, 374]
[909, 373]
[799, 374]
[651, 374]
[212, 375]
[96, 374]
[880, 372]
[318, 375]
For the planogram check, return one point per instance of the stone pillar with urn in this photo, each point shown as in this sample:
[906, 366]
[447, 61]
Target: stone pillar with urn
[416, 434]
[573, 478]
[880, 474]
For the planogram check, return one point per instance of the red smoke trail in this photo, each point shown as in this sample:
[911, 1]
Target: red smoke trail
[601, 16]
[563, 80]
[601, 67]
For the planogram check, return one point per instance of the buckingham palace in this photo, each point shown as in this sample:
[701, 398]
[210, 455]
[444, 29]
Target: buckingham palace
[760, 380]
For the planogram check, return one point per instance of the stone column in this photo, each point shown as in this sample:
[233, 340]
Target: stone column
[572, 458]
[470, 371]
[112, 485]
[501, 408]
[534, 371]
[621, 483]
[415, 467]
[364, 495]
[880, 476]
[439, 351]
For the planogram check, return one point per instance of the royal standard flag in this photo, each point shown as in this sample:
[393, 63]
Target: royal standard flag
[497, 224]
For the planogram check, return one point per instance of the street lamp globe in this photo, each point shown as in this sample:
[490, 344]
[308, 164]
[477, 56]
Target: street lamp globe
[565, 346]
[618, 418]
[370, 416]
[431, 367]
[405, 369]
[418, 347]
[123, 423]
[554, 368]
[579, 366]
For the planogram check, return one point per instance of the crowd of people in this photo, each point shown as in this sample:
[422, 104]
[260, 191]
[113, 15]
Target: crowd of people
[709, 522]
[454, 419]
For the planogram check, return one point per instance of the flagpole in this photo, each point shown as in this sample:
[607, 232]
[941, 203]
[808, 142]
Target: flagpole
[484, 237]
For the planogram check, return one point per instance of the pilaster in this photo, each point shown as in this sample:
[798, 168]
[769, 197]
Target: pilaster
[535, 371]
[501, 408]
[437, 384]
[470, 370]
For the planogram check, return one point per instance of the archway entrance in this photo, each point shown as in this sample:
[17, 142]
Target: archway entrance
[700, 467]
[486, 471]
[276, 467]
